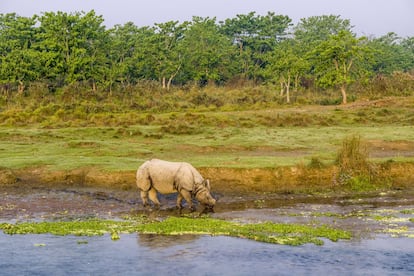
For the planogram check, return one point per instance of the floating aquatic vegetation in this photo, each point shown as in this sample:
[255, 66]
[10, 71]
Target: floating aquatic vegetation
[289, 234]
[62, 228]
[353, 214]
[407, 212]
[402, 231]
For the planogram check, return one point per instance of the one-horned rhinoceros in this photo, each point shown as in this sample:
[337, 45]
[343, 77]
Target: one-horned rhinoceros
[171, 177]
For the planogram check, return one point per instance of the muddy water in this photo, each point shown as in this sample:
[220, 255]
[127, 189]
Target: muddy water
[383, 243]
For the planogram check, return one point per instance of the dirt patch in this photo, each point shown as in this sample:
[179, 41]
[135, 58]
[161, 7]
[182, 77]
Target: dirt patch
[382, 149]
[27, 202]
[83, 144]
[245, 151]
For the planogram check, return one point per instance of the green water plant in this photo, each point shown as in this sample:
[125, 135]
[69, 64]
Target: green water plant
[78, 228]
[278, 233]
[407, 212]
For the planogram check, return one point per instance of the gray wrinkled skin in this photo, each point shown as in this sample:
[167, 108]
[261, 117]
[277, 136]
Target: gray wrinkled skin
[173, 177]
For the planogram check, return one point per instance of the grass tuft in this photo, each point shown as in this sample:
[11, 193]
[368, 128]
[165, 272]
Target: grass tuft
[355, 170]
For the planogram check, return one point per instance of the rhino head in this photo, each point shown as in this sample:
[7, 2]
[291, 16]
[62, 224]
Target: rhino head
[204, 196]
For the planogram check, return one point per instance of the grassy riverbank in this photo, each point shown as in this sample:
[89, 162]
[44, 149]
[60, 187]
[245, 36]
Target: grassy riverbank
[270, 149]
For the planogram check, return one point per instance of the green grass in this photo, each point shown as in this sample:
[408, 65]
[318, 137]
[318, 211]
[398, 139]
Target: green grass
[289, 234]
[112, 137]
[125, 148]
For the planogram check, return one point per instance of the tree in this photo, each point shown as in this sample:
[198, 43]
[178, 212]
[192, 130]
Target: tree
[393, 54]
[74, 45]
[286, 65]
[169, 62]
[312, 30]
[120, 50]
[255, 36]
[338, 60]
[19, 61]
[206, 52]
[408, 46]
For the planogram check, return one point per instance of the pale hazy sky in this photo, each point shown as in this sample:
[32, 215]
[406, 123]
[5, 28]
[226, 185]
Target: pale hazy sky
[370, 17]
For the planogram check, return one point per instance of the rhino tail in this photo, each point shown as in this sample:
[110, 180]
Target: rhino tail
[143, 179]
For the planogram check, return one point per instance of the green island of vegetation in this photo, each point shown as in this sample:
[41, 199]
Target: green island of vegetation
[288, 234]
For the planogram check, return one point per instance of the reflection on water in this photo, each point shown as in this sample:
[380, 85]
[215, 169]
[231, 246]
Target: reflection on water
[164, 241]
[183, 255]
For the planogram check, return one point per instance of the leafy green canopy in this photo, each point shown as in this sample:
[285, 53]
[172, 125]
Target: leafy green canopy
[60, 49]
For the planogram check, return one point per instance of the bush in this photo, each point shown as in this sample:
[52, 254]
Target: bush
[354, 168]
[352, 155]
[207, 100]
[316, 163]
[180, 128]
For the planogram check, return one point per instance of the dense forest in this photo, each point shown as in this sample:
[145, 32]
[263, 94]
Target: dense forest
[59, 50]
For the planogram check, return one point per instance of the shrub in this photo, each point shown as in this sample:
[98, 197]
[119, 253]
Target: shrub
[353, 154]
[354, 168]
[207, 100]
[316, 163]
[180, 128]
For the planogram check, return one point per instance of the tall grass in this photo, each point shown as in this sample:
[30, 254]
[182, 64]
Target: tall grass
[80, 105]
[355, 170]
[353, 155]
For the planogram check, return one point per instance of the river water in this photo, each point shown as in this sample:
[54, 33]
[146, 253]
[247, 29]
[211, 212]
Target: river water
[383, 243]
[148, 255]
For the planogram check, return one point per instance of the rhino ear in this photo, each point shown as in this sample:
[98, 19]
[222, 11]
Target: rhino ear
[207, 184]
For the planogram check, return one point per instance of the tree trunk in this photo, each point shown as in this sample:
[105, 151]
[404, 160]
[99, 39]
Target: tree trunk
[169, 83]
[288, 90]
[343, 92]
[172, 77]
[5, 90]
[296, 83]
[20, 88]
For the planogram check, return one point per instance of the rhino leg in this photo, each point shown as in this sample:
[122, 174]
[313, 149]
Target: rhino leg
[187, 196]
[154, 198]
[144, 197]
[179, 201]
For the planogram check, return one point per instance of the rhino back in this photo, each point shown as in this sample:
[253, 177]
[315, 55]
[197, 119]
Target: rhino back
[185, 177]
[163, 174]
